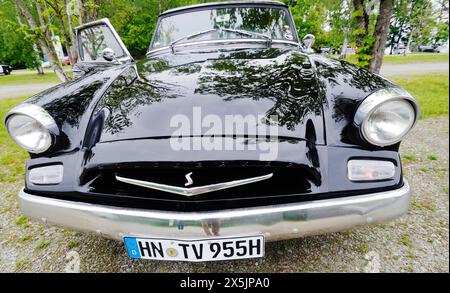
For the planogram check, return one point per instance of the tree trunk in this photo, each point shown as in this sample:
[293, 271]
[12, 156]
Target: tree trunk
[362, 22]
[58, 8]
[40, 70]
[73, 39]
[391, 51]
[400, 32]
[381, 33]
[343, 54]
[52, 55]
[408, 45]
[38, 63]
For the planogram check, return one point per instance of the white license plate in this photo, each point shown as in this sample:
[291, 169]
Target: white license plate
[211, 249]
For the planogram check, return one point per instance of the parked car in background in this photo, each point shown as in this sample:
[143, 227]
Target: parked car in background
[349, 51]
[46, 64]
[428, 49]
[65, 60]
[324, 50]
[5, 69]
[229, 133]
[442, 48]
[401, 49]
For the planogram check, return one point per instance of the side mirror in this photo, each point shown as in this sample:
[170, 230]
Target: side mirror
[108, 54]
[308, 42]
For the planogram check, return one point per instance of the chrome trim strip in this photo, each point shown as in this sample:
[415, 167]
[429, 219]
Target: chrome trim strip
[221, 42]
[194, 190]
[276, 222]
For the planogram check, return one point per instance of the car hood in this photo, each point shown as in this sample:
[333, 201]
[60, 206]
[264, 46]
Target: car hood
[175, 94]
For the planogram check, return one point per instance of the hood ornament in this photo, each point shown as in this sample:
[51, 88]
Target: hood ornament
[193, 190]
[189, 179]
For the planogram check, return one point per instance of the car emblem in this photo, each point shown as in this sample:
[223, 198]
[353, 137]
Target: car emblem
[189, 179]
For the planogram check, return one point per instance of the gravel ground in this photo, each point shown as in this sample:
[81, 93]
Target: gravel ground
[417, 242]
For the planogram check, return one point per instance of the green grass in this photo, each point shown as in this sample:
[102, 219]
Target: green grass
[24, 264]
[430, 90]
[28, 79]
[42, 244]
[12, 157]
[408, 59]
[73, 244]
[405, 240]
[22, 221]
[25, 238]
[411, 158]
[432, 157]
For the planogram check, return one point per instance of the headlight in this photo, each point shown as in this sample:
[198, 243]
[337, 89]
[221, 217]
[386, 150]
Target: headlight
[386, 116]
[29, 126]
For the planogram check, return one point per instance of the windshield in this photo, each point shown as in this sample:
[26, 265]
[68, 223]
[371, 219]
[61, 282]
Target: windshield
[271, 22]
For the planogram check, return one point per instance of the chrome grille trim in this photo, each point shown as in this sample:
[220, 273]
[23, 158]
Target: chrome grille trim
[193, 190]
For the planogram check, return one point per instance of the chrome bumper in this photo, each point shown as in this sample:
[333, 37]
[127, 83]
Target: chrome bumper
[276, 222]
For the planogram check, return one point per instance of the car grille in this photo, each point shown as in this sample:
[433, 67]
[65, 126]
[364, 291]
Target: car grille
[287, 179]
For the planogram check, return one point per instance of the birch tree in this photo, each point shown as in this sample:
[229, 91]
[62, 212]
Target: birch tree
[40, 29]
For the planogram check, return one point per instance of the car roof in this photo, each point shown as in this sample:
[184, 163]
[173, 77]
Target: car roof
[212, 4]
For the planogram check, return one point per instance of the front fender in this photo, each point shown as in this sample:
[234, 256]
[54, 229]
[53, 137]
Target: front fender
[71, 105]
[346, 86]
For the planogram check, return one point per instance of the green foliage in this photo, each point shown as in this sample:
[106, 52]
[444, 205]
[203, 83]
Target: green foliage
[331, 21]
[16, 49]
[419, 22]
[363, 53]
[135, 20]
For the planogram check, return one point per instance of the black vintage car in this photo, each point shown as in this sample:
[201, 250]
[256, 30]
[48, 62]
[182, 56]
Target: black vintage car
[5, 69]
[228, 134]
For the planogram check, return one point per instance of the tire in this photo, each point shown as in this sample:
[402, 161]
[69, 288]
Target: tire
[7, 72]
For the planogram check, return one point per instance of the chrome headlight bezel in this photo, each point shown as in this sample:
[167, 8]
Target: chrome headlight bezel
[40, 116]
[373, 102]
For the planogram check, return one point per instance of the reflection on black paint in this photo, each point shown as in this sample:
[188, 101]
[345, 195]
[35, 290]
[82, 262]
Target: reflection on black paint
[286, 81]
[264, 81]
[272, 22]
[123, 99]
[345, 85]
[70, 108]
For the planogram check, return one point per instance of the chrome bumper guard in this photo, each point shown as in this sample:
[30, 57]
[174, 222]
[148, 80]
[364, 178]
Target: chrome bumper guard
[276, 222]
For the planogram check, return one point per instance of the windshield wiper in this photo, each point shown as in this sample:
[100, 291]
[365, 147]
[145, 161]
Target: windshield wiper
[241, 32]
[249, 34]
[189, 37]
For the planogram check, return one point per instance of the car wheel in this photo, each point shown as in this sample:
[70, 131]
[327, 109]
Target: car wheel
[7, 72]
